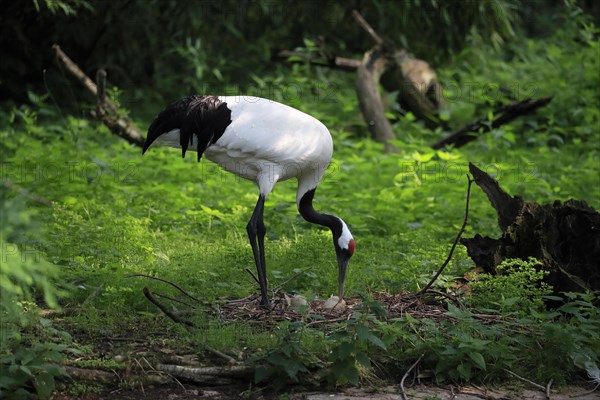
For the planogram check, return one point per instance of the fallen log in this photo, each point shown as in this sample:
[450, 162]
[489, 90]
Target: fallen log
[502, 115]
[208, 375]
[564, 237]
[112, 378]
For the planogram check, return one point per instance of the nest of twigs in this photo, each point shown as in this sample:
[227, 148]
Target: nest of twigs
[432, 305]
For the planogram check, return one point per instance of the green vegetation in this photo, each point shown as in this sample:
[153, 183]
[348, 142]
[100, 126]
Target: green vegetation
[518, 288]
[31, 348]
[116, 213]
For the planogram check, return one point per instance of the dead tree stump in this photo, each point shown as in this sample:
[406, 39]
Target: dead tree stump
[564, 237]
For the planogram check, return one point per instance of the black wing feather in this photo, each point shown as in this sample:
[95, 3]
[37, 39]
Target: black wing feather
[205, 117]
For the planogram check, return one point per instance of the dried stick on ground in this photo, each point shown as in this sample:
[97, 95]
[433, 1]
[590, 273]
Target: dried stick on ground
[585, 393]
[402, 390]
[111, 378]
[542, 388]
[548, 386]
[208, 375]
[230, 360]
[164, 309]
[108, 112]
[165, 281]
[460, 232]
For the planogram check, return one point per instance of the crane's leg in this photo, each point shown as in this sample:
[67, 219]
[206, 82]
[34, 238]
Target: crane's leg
[256, 233]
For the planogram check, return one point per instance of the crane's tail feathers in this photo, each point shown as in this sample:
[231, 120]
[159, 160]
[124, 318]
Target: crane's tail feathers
[205, 117]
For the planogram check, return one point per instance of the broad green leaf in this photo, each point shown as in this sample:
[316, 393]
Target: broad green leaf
[44, 385]
[344, 350]
[422, 158]
[292, 368]
[376, 341]
[456, 312]
[464, 371]
[363, 360]
[362, 332]
[478, 360]
[277, 359]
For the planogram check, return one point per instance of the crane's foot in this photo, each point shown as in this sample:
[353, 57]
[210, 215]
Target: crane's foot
[265, 303]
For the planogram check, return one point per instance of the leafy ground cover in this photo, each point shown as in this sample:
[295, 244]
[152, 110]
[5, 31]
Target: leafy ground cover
[115, 213]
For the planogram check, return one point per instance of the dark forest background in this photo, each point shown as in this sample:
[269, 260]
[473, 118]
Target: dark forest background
[175, 46]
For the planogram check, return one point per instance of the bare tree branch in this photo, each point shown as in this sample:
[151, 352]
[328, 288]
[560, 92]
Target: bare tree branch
[360, 20]
[505, 114]
[168, 282]
[343, 63]
[460, 232]
[108, 112]
[164, 309]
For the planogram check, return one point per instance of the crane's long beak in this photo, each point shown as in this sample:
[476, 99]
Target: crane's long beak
[342, 268]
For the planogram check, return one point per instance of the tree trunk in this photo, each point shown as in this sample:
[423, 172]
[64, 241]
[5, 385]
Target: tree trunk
[564, 237]
[368, 75]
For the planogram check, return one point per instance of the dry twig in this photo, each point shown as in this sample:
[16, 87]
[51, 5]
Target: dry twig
[229, 359]
[585, 393]
[505, 113]
[402, 390]
[166, 281]
[164, 296]
[248, 270]
[542, 388]
[360, 20]
[164, 309]
[332, 61]
[460, 232]
[548, 389]
[112, 378]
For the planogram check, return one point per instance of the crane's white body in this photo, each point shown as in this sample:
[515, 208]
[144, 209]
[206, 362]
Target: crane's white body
[265, 142]
[268, 142]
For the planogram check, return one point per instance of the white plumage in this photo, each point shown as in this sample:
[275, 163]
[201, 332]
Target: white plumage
[263, 141]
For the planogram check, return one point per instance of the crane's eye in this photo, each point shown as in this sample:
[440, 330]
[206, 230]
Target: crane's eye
[351, 246]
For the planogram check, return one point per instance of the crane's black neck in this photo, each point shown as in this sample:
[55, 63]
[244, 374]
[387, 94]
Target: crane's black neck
[308, 213]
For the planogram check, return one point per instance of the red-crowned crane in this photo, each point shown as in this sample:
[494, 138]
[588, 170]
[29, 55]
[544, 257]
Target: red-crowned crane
[262, 141]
